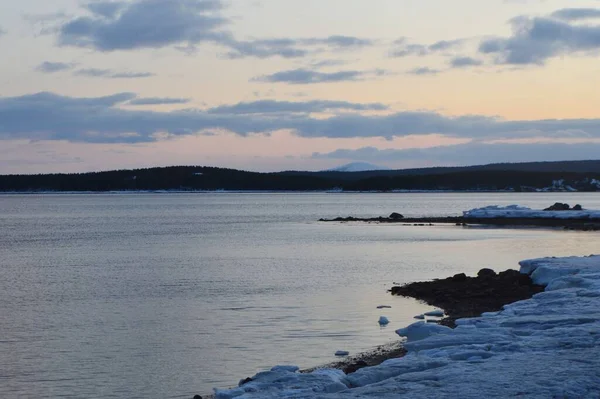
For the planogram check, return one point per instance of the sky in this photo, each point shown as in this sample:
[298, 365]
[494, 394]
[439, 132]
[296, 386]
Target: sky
[269, 85]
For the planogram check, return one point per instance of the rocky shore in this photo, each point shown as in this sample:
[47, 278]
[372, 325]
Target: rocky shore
[461, 296]
[558, 215]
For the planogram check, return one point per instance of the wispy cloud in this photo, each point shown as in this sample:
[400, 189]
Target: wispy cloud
[273, 106]
[52, 67]
[463, 62]
[291, 48]
[404, 48]
[158, 101]
[109, 73]
[307, 76]
[575, 14]
[423, 71]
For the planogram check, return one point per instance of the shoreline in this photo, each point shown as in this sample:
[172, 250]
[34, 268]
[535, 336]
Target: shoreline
[458, 296]
[496, 355]
[582, 224]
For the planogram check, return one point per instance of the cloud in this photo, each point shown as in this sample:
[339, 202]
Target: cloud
[158, 101]
[339, 41]
[424, 71]
[535, 40]
[328, 63]
[108, 73]
[272, 106]
[307, 76]
[106, 9]
[403, 48]
[2, 32]
[102, 119]
[291, 48]
[122, 25]
[462, 62]
[474, 153]
[574, 14]
[51, 67]
[285, 48]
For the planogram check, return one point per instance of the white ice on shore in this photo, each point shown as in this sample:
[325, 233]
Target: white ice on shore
[547, 346]
[516, 211]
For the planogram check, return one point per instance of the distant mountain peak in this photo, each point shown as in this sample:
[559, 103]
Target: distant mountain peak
[357, 167]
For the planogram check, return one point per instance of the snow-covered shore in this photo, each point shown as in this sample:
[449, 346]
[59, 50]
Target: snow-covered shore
[520, 212]
[547, 346]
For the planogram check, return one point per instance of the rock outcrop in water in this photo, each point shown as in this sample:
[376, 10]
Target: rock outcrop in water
[461, 296]
[559, 206]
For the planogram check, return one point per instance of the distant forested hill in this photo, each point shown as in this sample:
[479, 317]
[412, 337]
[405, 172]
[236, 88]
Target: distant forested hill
[548, 176]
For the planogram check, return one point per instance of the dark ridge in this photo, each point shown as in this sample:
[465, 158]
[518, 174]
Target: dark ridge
[590, 166]
[503, 177]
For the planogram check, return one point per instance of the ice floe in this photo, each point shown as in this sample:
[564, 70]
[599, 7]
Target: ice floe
[516, 211]
[384, 321]
[435, 313]
[543, 347]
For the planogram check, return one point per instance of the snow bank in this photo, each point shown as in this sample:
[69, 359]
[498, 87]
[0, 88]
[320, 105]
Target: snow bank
[516, 211]
[546, 346]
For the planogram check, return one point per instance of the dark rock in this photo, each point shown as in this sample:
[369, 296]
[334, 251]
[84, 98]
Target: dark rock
[396, 216]
[558, 207]
[354, 367]
[462, 296]
[483, 273]
[197, 397]
[245, 381]
[578, 208]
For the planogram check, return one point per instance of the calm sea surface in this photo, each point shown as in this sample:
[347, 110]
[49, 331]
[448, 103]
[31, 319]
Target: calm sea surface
[170, 295]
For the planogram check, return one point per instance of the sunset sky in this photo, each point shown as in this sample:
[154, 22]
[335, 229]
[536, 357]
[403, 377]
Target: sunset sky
[272, 85]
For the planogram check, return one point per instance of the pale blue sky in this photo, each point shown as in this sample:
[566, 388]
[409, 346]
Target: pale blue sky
[290, 84]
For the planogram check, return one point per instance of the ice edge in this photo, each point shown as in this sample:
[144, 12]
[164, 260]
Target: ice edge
[546, 346]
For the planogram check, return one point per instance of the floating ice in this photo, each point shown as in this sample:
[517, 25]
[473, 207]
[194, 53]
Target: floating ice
[420, 317]
[342, 353]
[435, 313]
[547, 346]
[384, 321]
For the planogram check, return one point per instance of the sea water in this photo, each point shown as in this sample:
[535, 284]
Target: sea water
[169, 295]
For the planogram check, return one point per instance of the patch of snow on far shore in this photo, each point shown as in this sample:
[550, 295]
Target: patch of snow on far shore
[543, 347]
[516, 211]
